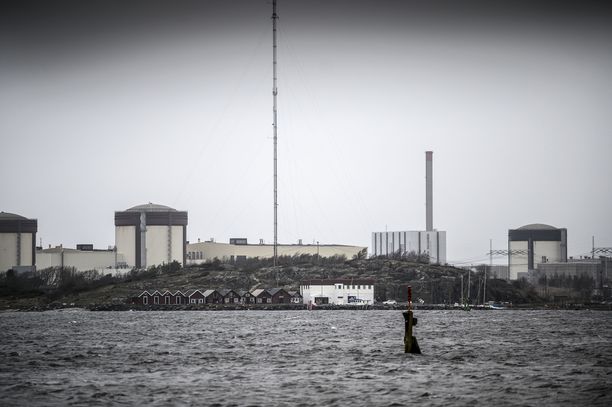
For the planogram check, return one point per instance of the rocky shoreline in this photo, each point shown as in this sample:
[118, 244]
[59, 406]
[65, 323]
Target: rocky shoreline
[293, 307]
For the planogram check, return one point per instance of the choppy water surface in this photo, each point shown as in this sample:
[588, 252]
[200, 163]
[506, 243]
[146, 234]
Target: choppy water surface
[305, 358]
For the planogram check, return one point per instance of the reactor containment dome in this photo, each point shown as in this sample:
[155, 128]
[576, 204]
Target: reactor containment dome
[17, 242]
[151, 234]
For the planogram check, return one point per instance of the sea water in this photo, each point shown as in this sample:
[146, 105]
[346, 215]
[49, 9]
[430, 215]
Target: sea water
[305, 358]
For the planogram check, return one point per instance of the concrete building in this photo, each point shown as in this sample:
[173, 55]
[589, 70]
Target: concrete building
[571, 268]
[238, 249]
[596, 269]
[151, 234]
[338, 291]
[82, 259]
[17, 242]
[430, 241]
[533, 244]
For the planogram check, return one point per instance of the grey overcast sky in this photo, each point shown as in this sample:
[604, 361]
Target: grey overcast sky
[106, 105]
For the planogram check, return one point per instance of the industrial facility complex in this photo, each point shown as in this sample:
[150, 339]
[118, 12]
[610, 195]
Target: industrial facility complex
[152, 234]
[429, 242]
[145, 235]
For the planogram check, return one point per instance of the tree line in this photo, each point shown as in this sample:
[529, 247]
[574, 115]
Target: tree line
[58, 281]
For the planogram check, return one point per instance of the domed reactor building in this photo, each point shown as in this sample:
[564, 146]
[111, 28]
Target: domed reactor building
[534, 244]
[17, 242]
[151, 234]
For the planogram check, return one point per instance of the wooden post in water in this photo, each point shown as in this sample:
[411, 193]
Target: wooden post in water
[410, 343]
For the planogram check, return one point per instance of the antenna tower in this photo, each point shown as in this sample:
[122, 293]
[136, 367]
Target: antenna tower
[275, 127]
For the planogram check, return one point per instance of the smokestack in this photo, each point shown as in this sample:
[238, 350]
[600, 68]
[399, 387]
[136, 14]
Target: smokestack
[428, 190]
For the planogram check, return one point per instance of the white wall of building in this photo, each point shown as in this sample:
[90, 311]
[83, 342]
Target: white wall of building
[161, 239]
[544, 251]
[551, 251]
[206, 251]
[81, 260]
[125, 238]
[26, 249]
[8, 250]
[439, 246]
[157, 245]
[338, 293]
[517, 263]
[156, 241]
[48, 259]
[432, 243]
[178, 245]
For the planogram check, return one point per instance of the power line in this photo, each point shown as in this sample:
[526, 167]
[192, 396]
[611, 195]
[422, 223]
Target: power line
[512, 252]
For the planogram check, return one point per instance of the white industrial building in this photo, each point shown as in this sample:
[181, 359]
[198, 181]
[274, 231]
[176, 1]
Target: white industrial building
[338, 291]
[17, 242]
[83, 258]
[239, 249]
[430, 241]
[530, 245]
[151, 234]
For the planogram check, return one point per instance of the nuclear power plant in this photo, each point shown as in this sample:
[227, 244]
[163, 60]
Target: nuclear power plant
[145, 235]
[430, 241]
[17, 242]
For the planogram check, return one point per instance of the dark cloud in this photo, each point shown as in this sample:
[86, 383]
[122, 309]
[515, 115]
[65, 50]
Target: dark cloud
[43, 22]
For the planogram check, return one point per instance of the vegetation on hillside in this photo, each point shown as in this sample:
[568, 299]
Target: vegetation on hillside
[434, 284]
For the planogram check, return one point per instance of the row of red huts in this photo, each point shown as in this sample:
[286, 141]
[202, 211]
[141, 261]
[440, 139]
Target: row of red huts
[224, 296]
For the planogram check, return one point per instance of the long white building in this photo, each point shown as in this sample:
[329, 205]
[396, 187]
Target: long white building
[105, 261]
[238, 249]
[338, 291]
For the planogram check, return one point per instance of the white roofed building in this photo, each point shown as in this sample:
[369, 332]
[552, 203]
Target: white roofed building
[338, 291]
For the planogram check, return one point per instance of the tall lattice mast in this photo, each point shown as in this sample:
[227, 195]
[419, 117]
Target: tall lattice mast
[275, 127]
